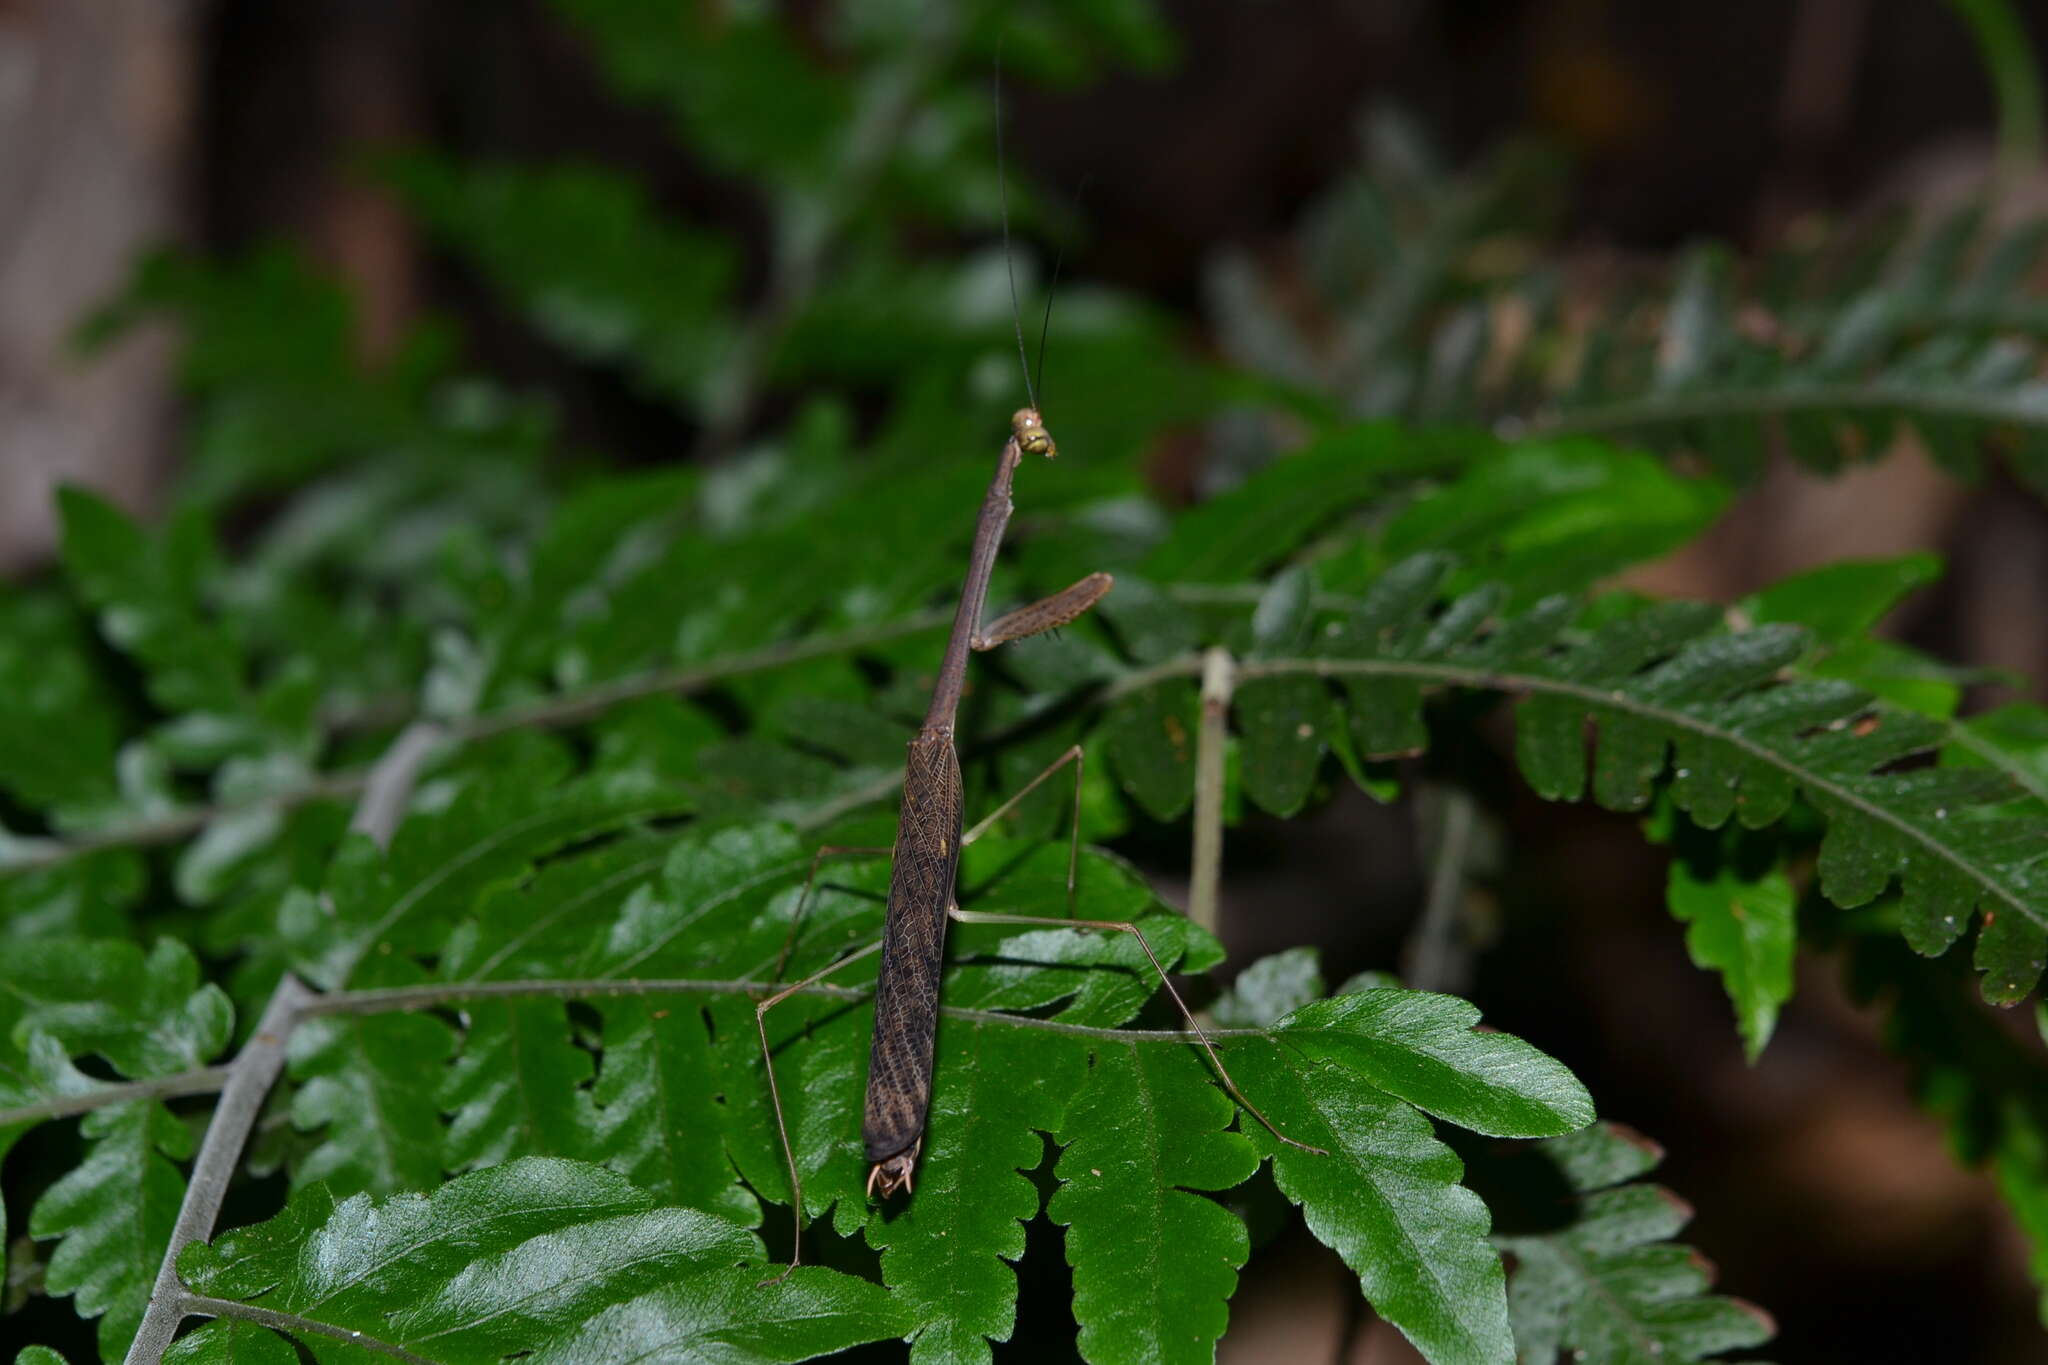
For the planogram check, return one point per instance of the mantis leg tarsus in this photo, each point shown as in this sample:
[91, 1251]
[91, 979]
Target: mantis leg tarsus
[796, 1184]
[1125, 926]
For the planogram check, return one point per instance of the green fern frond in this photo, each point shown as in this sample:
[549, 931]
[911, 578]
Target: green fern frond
[539, 1258]
[1825, 353]
[589, 262]
[1669, 690]
[148, 1016]
[1595, 1276]
[720, 903]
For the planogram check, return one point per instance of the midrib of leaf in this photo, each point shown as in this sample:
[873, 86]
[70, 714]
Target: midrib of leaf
[1394, 1213]
[575, 706]
[1149, 1106]
[1419, 1250]
[643, 868]
[386, 1159]
[443, 870]
[661, 1347]
[554, 1287]
[1249, 594]
[436, 1232]
[178, 824]
[203, 1305]
[1636, 1332]
[1494, 679]
[202, 1081]
[776, 872]
[405, 999]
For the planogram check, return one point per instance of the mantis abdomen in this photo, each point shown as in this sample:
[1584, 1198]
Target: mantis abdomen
[927, 857]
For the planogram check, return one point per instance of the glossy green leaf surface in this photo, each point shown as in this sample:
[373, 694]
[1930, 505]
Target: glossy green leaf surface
[1269, 989]
[1741, 925]
[1843, 601]
[146, 1015]
[1155, 1262]
[1387, 1198]
[1423, 1048]
[1152, 747]
[545, 1259]
[114, 1212]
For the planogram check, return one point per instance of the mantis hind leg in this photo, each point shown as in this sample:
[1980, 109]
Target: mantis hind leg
[1124, 926]
[1074, 756]
[796, 1184]
[803, 901]
[1047, 613]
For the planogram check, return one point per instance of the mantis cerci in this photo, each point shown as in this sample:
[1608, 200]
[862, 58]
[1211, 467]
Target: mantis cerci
[926, 859]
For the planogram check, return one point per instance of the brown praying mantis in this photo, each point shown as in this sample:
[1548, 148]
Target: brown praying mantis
[926, 861]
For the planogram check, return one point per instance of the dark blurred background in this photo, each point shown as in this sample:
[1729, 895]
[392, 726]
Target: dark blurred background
[1823, 1192]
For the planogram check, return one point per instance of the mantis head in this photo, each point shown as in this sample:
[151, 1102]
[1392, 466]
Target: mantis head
[1029, 429]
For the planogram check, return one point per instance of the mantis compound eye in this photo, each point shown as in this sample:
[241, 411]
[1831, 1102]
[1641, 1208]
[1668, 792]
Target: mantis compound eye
[1032, 437]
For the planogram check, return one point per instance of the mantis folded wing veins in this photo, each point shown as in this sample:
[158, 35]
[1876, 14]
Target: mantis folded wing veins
[926, 861]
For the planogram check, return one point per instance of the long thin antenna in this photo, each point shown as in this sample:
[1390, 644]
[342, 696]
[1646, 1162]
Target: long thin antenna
[1009, 262]
[1045, 324]
[1052, 290]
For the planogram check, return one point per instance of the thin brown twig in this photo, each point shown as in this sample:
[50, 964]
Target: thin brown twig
[254, 1071]
[206, 1080]
[387, 789]
[1205, 874]
[1432, 958]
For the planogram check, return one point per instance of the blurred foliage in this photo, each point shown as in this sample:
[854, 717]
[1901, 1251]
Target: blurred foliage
[2001, 36]
[641, 698]
[1412, 292]
[1598, 1278]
